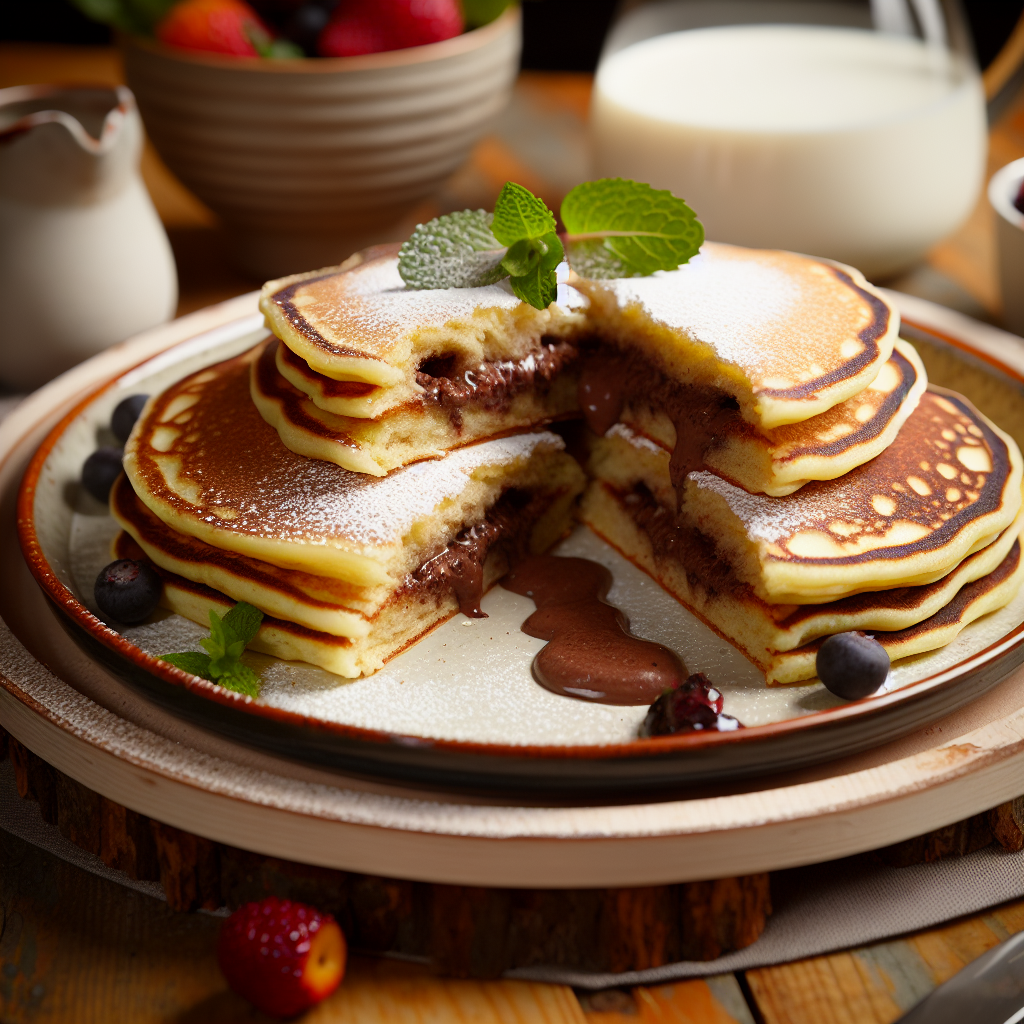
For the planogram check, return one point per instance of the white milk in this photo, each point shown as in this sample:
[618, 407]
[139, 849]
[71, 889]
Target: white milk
[846, 143]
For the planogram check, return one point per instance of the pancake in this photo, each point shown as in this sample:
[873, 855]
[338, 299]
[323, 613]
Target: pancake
[358, 322]
[985, 595]
[780, 461]
[350, 657]
[947, 486]
[787, 336]
[312, 614]
[426, 427]
[686, 564]
[869, 530]
[205, 462]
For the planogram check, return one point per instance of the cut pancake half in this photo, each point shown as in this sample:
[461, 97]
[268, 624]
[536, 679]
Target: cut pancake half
[344, 628]
[427, 426]
[780, 461]
[787, 336]
[205, 462]
[686, 564]
[358, 322]
[520, 522]
[947, 486]
[396, 625]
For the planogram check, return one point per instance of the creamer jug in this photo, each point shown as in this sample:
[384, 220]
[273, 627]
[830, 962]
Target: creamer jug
[84, 259]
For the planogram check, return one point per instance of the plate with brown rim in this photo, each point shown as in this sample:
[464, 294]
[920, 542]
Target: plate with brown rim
[460, 709]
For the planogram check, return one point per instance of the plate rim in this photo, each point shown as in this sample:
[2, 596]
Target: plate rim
[637, 749]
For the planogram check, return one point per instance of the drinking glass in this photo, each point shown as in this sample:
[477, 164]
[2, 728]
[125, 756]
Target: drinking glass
[845, 129]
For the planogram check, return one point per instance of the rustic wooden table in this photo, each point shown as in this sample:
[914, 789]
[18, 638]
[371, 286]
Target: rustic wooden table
[77, 947]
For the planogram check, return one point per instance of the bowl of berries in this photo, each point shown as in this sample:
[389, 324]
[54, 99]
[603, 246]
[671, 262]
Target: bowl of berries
[313, 128]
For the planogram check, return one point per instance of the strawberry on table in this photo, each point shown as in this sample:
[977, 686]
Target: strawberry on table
[371, 26]
[281, 956]
[216, 26]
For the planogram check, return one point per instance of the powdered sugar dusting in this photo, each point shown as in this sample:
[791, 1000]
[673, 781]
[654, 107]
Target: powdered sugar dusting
[644, 444]
[371, 303]
[772, 519]
[782, 319]
[322, 502]
[379, 510]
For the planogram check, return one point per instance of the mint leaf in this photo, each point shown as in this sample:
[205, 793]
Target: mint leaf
[519, 214]
[456, 250]
[243, 621]
[241, 679]
[191, 661]
[224, 646]
[622, 228]
[537, 284]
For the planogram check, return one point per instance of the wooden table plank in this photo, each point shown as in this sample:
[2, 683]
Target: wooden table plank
[715, 1000]
[878, 983]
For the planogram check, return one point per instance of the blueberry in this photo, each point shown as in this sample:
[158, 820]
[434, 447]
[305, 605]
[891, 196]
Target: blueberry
[99, 472]
[127, 591]
[852, 665]
[126, 412]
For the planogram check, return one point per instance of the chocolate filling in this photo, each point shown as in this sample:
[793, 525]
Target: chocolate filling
[681, 543]
[460, 566]
[492, 385]
[610, 378]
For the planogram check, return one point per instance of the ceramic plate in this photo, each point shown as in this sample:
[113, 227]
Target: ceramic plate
[460, 708]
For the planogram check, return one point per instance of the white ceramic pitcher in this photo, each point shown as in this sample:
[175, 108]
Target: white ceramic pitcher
[84, 260]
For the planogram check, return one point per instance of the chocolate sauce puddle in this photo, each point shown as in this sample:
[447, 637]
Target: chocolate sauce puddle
[699, 414]
[590, 655]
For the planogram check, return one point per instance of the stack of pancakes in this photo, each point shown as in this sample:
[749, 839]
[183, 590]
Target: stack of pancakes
[772, 454]
[322, 482]
[762, 444]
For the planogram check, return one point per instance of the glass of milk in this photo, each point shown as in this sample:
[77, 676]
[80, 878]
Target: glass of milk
[849, 130]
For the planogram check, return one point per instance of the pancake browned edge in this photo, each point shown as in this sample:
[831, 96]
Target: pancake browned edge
[451, 411]
[358, 323]
[344, 628]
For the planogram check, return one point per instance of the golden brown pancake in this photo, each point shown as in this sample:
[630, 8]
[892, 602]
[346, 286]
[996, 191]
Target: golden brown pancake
[687, 565]
[422, 428]
[358, 322]
[947, 486]
[787, 336]
[342, 627]
[206, 463]
[780, 461]
[985, 595]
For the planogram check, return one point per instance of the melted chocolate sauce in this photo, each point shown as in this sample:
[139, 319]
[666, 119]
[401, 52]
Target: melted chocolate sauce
[461, 564]
[699, 414]
[590, 653]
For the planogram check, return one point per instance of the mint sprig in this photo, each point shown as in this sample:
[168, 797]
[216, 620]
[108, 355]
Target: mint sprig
[622, 228]
[616, 228]
[229, 636]
[456, 250]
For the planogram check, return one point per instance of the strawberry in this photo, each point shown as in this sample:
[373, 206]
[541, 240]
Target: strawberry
[281, 956]
[370, 26]
[218, 26]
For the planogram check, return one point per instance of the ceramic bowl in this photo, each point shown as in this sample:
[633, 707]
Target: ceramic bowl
[307, 161]
[1002, 190]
